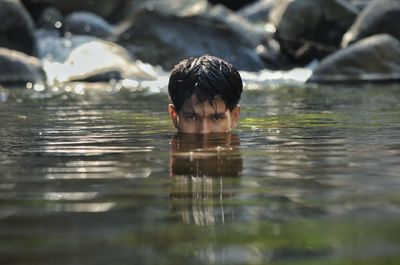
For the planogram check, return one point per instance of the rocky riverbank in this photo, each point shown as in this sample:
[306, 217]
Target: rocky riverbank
[85, 40]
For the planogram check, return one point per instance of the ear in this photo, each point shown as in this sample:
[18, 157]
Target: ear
[235, 114]
[173, 115]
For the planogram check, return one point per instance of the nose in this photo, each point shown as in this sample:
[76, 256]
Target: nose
[203, 127]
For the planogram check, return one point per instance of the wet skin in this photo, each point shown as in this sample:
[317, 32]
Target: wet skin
[203, 117]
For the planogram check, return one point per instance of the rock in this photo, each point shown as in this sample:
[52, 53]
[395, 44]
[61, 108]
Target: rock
[50, 19]
[376, 58]
[103, 8]
[55, 48]
[309, 29]
[85, 23]
[99, 61]
[181, 8]
[163, 37]
[381, 16]
[360, 4]
[17, 68]
[16, 27]
[257, 12]
[234, 5]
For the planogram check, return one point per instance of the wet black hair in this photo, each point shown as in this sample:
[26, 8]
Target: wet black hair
[206, 77]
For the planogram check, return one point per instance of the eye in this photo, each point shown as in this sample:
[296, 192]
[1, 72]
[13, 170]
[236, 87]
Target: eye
[217, 117]
[190, 117]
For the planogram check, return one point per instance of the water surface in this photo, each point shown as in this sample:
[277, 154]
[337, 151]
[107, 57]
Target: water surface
[98, 176]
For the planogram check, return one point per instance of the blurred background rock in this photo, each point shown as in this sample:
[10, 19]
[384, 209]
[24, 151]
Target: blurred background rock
[253, 35]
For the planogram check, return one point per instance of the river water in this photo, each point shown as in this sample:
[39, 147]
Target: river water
[96, 175]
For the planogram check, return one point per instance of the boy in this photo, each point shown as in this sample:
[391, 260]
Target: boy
[205, 93]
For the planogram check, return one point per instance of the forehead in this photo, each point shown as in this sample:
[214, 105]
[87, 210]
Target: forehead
[193, 104]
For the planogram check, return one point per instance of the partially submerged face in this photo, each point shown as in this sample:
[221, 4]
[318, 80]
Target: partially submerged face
[203, 117]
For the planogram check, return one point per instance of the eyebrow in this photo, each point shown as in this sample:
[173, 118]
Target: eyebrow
[219, 114]
[189, 113]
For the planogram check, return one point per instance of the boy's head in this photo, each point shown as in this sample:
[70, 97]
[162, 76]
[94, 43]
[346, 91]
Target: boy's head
[205, 92]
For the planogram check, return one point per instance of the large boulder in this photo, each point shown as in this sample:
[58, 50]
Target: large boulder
[163, 35]
[166, 7]
[83, 64]
[54, 48]
[51, 21]
[17, 68]
[103, 8]
[360, 4]
[380, 16]
[257, 12]
[234, 5]
[86, 23]
[16, 27]
[376, 58]
[308, 29]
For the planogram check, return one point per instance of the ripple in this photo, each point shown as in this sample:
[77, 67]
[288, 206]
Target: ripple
[84, 207]
[69, 196]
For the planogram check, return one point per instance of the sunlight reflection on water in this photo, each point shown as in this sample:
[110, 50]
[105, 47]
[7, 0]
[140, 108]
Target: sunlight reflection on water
[309, 175]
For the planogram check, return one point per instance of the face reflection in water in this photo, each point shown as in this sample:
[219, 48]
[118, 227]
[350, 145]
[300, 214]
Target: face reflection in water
[205, 171]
